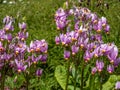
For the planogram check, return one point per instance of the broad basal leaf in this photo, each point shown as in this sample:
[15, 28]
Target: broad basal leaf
[60, 74]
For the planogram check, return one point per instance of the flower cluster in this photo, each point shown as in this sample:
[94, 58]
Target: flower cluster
[61, 19]
[15, 54]
[84, 34]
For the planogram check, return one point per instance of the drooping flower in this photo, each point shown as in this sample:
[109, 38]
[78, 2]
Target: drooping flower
[113, 54]
[105, 49]
[82, 29]
[104, 21]
[74, 35]
[65, 39]
[43, 58]
[76, 27]
[57, 40]
[8, 37]
[99, 25]
[7, 19]
[117, 85]
[110, 69]
[107, 29]
[20, 66]
[87, 56]
[97, 52]
[94, 18]
[66, 54]
[9, 27]
[20, 48]
[94, 70]
[39, 72]
[2, 35]
[74, 49]
[99, 65]
[61, 19]
[1, 47]
[34, 59]
[82, 42]
[43, 46]
[32, 47]
[22, 35]
[117, 62]
[22, 26]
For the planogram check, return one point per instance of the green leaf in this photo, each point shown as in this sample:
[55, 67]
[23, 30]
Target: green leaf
[110, 84]
[60, 75]
[18, 82]
[71, 87]
[92, 83]
[9, 82]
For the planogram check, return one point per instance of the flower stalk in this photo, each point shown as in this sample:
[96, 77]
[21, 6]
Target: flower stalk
[67, 79]
[82, 75]
[75, 62]
[3, 78]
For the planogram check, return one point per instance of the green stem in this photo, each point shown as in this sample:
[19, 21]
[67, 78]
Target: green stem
[92, 4]
[3, 78]
[82, 76]
[91, 82]
[75, 74]
[27, 84]
[27, 81]
[101, 83]
[66, 87]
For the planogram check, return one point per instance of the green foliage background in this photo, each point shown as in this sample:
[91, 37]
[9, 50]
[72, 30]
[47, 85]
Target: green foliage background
[39, 16]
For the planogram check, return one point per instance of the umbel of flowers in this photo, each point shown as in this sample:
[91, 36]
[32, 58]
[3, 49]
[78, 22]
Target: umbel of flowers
[81, 36]
[16, 55]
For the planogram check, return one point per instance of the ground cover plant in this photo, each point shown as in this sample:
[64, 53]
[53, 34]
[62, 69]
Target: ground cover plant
[58, 73]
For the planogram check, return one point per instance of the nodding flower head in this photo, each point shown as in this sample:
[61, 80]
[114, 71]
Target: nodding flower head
[7, 19]
[110, 69]
[9, 27]
[99, 65]
[75, 49]
[117, 62]
[2, 35]
[82, 29]
[22, 35]
[117, 85]
[57, 40]
[104, 21]
[22, 26]
[34, 59]
[94, 70]
[39, 72]
[99, 26]
[20, 48]
[61, 19]
[65, 39]
[107, 29]
[94, 18]
[66, 54]
[20, 66]
[113, 54]
[97, 52]
[32, 47]
[87, 56]
[83, 42]
[43, 58]
[38, 46]
[9, 37]
[1, 47]
[74, 35]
